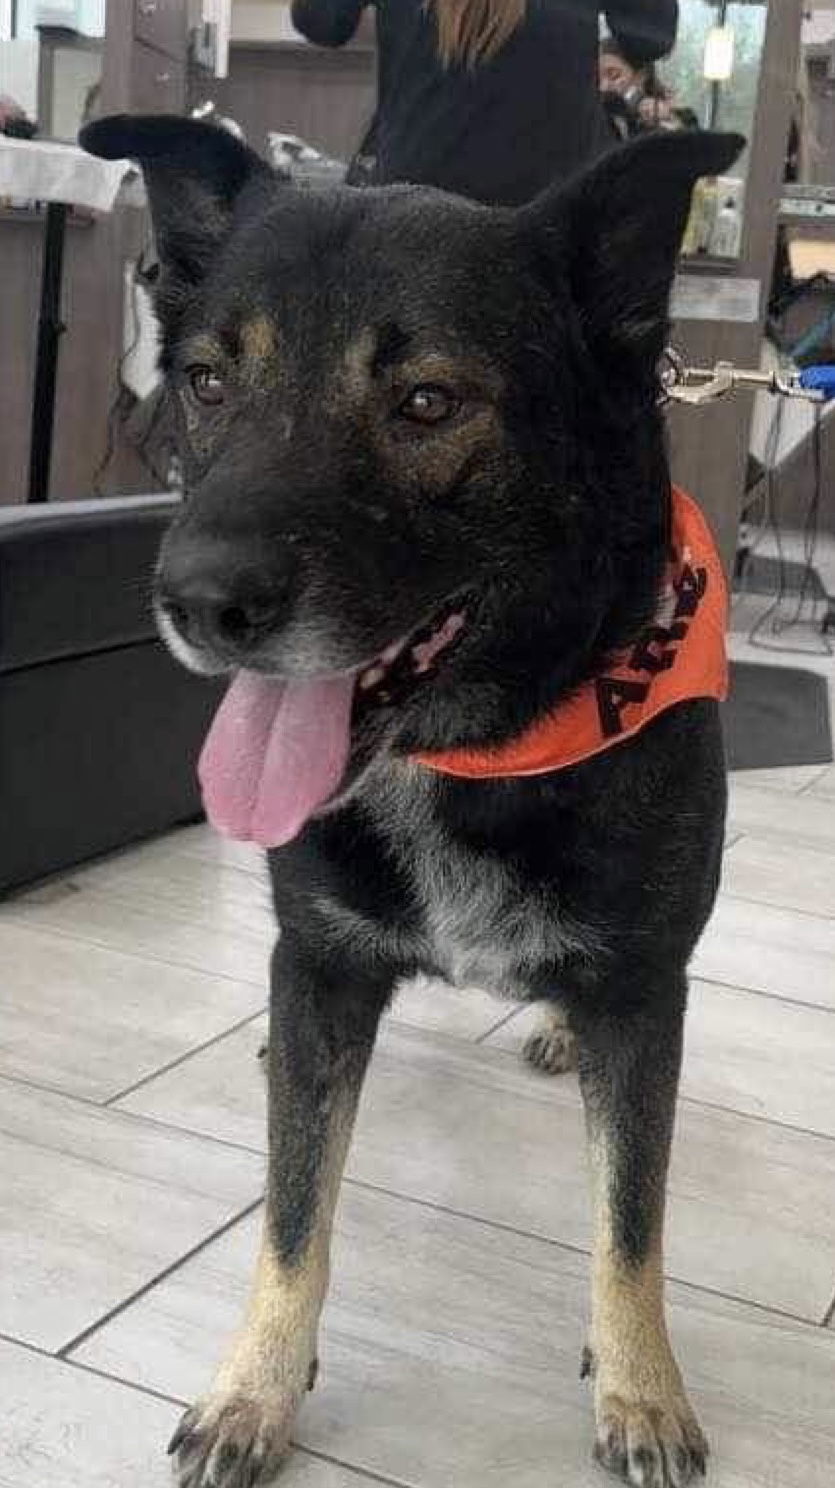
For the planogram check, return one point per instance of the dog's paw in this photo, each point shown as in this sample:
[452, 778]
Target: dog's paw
[232, 1441]
[650, 1445]
[551, 1048]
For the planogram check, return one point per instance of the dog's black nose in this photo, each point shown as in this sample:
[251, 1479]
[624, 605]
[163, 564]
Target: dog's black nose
[230, 627]
[218, 597]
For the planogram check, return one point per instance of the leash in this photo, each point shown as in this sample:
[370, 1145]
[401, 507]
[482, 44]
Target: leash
[696, 386]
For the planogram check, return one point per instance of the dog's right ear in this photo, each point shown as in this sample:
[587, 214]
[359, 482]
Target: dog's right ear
[195, 174]
[611, 239]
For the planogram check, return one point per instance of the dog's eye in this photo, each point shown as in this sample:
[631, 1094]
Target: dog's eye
[206, 385]
[429, 404]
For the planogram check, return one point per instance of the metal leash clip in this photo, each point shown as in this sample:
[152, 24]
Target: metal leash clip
[697, 386]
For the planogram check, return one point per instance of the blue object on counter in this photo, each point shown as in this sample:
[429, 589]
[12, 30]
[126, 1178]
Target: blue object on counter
[819, 380]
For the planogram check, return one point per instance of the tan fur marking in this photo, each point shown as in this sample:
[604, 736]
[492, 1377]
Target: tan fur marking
[628, 1325]
[629, 1328]
[259, 339]
[355, 373]
[258, 1389]
[278, 1341]
[445, 367]
[640, 1400]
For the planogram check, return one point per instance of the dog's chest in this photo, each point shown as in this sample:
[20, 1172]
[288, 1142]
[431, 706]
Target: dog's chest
[480, 923]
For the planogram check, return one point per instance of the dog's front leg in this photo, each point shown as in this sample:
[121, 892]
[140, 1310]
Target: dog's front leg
[322, 1030]
[629, 1068]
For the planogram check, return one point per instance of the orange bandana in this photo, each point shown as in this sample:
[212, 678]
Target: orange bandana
[679, 657]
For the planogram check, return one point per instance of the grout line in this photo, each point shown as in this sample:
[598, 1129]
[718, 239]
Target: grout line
[737, 779]
[87, 1101]
[505, 1018]
[52, 1358]
[121, 1379]
[175, 1063]
[363, 1473]
[809, 787]
[790, 841]
[141, 1118]
[699, 1103]
[698, 1288]
[499, 1225]
[767, 904]
[802, 1131]
[25, 922]
[67, 1349]
[715, 981]
[504, 1055]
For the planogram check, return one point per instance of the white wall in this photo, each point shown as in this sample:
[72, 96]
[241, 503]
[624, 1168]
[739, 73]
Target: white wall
[262, 20]
[19, 73]
[819, 27]
[85, 16]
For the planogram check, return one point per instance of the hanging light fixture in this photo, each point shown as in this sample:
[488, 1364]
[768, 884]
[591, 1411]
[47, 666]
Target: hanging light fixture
[718, 61]
[719, 54]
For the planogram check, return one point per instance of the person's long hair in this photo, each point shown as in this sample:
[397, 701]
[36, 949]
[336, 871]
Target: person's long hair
[474, 31]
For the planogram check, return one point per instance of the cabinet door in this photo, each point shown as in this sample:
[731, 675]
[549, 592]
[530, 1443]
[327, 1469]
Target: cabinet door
[158, 82]
[162, 24]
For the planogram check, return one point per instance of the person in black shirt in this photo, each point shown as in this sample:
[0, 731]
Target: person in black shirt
[490, 98]
[634, 98]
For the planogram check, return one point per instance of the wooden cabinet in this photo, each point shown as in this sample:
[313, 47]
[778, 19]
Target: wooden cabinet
[158, 82]
[161, 24]
[145, 57]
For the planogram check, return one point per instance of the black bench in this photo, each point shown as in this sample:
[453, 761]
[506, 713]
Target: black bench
[99, 727]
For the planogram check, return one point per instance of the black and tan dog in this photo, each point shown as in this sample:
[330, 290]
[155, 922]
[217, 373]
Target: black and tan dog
[428, 528]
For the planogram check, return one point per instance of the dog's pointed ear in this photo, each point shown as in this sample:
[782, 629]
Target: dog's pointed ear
[613, 235]
[195, 174]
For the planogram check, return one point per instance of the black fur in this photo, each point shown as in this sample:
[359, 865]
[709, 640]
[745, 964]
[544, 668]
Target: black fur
[544, 504]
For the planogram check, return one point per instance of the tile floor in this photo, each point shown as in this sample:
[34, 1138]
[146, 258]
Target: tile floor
[131, 1141]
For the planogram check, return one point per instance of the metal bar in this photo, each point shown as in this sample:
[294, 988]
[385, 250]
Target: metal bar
[50, 329]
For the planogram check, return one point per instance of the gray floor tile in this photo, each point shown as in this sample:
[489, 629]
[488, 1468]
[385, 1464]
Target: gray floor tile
[202, 841]
[761, 1056]
[62, 1426]
[772, 872]
[791, 779]
[140, 925]
[90, 1022]
[789, 819]
[779, 951]
[824, 785]
[459, 1012]
[93, 1205]
[450, 1357]
[756, 1055]
[752, 1205]
[218, 896]
[749, 1054]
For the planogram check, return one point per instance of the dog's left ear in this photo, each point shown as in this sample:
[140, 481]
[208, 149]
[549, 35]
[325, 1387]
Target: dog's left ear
[195, 173]
[612, 236]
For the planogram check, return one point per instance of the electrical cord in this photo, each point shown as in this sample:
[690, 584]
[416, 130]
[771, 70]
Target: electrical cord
[771, 519]
[765, 492]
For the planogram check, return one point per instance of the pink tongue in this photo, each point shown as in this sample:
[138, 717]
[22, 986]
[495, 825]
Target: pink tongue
[275, 752]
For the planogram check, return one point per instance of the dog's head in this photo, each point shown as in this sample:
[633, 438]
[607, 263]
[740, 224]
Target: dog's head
[424, 468]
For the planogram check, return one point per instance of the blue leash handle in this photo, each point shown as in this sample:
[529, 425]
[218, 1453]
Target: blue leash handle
[818, 380]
